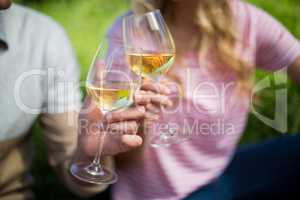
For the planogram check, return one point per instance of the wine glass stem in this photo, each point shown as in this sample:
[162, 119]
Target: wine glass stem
[95, 167]
[98, 154]
[164, 134]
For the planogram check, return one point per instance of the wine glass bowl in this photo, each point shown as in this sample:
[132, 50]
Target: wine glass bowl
[149, 46]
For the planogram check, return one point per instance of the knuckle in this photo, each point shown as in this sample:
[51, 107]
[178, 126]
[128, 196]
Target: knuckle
[111, 116]
[131, 127]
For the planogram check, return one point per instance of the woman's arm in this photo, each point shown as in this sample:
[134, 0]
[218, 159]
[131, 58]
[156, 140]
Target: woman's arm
[276, 47]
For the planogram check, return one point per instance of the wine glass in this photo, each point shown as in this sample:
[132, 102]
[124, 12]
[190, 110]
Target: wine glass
[111, 85]
[150, 52]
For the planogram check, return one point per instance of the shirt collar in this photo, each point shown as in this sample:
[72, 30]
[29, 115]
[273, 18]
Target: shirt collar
[3, 38]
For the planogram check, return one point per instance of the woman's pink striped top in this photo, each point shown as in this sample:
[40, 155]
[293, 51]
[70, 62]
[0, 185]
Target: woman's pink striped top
[209, 113]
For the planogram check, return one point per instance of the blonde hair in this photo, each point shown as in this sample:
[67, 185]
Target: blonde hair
[218, 32]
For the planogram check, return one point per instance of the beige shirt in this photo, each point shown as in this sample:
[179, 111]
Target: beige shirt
[39, 78]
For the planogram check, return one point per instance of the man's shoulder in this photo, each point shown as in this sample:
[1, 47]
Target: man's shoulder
[35, 19]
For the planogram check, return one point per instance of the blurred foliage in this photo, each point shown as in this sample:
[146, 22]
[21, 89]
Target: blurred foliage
[86, 22]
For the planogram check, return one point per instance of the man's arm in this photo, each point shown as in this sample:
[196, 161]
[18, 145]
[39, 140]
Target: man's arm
[59, 117]
[60, 137]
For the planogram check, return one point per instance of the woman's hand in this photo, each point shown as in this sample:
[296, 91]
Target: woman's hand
[153, 96]
[119, 135]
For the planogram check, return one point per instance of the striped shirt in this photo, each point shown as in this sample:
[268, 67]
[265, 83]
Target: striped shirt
[208, 112]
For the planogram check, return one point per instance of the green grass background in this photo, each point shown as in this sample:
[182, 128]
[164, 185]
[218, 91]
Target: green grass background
[86, 22]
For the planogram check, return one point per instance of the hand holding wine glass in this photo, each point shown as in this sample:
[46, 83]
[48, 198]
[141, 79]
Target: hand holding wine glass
[153, 95]
[122, 124]
[110, 86]
[150, 53]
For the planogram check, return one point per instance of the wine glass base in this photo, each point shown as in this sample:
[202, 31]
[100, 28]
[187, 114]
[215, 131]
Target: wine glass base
[81, 171]
[165, 141]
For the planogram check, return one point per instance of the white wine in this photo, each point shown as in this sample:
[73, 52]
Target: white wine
[150, 65]
[110, 97]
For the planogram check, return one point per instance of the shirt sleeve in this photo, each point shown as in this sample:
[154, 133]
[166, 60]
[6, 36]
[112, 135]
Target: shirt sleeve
[114, 36]
[114, 33]
[276, 47]
[62, 84]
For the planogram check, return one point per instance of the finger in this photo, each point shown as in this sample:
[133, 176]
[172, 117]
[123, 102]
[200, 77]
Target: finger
[131, 141]
[161, 100]
[89, 111]
[152, 108]
[151, 116]
[155, 87]
[144, 98]
[128, 127]
[135, 113]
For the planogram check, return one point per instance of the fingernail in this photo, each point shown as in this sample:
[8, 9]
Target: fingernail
[141, 109]
[168, 91]
[170, 103]
[107, 117]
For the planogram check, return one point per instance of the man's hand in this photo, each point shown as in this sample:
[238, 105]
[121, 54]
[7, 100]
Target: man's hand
[119, 133]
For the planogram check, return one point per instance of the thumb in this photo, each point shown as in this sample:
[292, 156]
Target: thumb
[131, 141]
